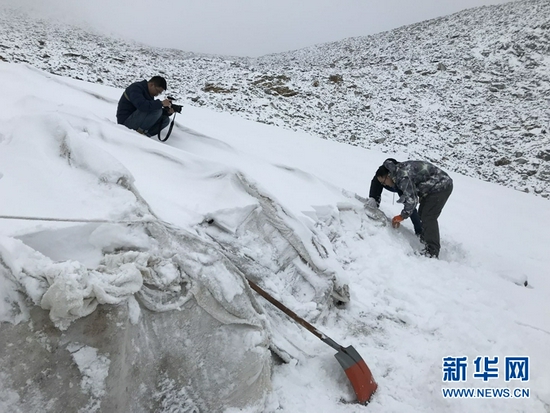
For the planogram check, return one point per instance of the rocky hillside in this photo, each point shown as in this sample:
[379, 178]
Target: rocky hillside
[470, 91]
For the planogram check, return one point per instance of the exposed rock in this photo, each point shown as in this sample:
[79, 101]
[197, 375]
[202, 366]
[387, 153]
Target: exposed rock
[283, 91]
[212, 88]
[502, 162]
[544, 174]
[275, 85]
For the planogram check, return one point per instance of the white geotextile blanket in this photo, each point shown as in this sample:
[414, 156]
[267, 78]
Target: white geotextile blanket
[175, 267]
[68, 289]
[200, 315]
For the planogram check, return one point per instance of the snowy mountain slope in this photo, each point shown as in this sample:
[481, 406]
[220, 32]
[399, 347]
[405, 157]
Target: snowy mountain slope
[468, 91]
[405, 314]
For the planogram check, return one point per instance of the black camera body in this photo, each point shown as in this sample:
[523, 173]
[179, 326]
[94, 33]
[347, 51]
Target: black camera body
[176, 108]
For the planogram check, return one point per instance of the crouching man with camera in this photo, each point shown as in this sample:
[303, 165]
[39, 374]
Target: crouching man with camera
[139, 110]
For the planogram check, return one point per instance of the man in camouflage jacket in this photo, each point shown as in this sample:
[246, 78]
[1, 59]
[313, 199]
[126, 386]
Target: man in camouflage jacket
[375, 197]
[421, 183]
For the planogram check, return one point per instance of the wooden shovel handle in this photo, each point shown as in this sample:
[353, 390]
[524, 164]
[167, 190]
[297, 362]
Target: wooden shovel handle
[286, 310]
[355, 367]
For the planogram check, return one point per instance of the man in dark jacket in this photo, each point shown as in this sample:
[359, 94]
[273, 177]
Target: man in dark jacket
[375, 196]
[139, 110]
[421, 183]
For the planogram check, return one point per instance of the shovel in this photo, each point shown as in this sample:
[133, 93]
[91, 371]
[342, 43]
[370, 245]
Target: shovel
[353, 364]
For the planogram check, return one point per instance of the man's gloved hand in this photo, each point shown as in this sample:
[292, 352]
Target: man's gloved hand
[371, 203]
[396, 221]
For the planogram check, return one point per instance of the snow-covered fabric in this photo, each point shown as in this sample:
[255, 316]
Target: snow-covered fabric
[179, 289]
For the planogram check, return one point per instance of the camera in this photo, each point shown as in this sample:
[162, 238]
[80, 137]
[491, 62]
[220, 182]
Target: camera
[176, 108]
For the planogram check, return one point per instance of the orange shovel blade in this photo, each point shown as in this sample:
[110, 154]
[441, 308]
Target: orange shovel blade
[358, 373]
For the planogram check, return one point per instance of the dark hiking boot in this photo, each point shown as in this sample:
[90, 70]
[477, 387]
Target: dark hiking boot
[427, 253]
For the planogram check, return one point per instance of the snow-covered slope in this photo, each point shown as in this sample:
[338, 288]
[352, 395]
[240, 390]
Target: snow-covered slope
[226, 197]
[469, 91]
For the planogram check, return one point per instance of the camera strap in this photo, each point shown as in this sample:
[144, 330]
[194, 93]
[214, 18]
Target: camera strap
[169, 130]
